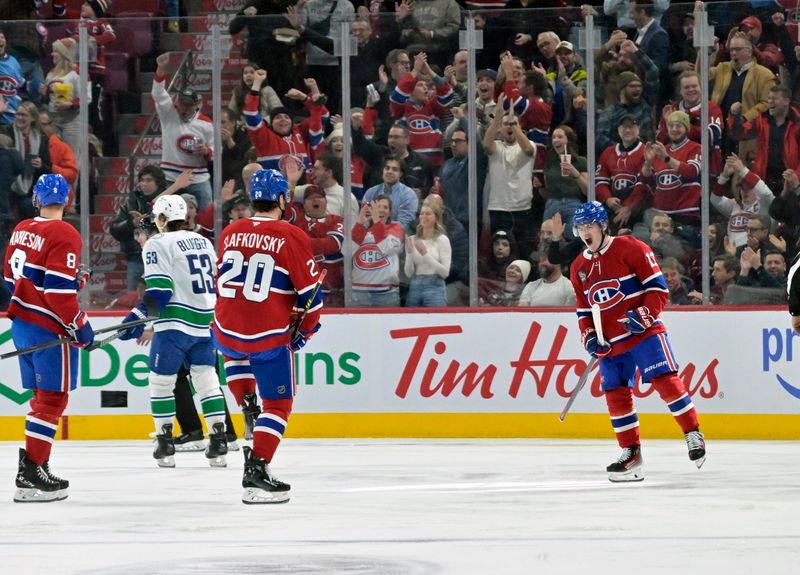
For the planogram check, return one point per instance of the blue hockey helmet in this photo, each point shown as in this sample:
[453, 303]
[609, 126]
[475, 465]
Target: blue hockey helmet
[51, 189]
[268, 186]
[588, 213]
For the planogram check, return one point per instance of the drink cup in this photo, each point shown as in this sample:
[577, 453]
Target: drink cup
[565, 159]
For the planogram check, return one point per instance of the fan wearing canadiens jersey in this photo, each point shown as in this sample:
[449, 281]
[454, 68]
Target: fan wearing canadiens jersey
[42, 273]
[267, 274]
[622, 277]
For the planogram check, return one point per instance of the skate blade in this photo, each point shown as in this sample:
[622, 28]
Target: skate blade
[218, 461]
[699, 462]
[168, 461]
[33, 495]
[191, 446]
[256, 496]
[626, 476]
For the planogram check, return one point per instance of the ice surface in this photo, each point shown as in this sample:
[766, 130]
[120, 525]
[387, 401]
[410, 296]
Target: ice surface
[413, 507]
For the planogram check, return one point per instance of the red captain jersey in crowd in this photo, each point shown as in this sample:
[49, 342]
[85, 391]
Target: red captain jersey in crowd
[266, 271]
[41, 264]
[618, 172]
[622, 277]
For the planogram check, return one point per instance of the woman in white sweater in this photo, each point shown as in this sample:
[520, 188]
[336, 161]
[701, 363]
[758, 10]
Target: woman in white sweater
[428, 256]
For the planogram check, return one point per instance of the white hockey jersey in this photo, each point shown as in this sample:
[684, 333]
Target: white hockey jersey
[178, 138]
[179, 271]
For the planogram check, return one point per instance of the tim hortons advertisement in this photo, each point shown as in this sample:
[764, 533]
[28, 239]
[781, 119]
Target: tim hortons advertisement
[511, 362]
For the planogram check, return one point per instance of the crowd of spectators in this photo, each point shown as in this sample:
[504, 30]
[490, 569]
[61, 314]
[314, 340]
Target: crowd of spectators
[411, 132]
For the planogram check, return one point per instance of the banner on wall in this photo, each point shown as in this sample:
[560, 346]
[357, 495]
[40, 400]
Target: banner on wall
[514, 362]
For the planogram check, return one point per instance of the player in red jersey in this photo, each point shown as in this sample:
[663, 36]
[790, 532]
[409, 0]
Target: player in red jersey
[622, 277]
[267, 274]
[41, 270]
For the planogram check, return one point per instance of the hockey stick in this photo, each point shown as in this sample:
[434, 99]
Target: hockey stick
[589, 366]
[63, 340]
[304, 313]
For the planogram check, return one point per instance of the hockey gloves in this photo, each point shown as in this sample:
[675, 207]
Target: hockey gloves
[637, 320]
[593, 346]
[301, 338]
[135, 332]
[81, 331]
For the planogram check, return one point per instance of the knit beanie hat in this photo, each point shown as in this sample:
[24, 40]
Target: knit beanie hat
[523, 266]
[678, 116]
[66, 48]
[626, 78]
[338, 132]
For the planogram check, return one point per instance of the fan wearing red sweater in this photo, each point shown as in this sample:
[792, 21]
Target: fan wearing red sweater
[415, 105]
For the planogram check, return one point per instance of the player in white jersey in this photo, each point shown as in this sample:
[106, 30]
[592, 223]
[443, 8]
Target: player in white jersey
[179, 272]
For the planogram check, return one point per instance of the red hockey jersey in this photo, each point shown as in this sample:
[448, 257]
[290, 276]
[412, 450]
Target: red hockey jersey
[622, 277]
[327, 237]
[423, 120]
[40, 269]
[677, 192]
[715, 124]
[103, 34]
[618, 172]
[266, 271]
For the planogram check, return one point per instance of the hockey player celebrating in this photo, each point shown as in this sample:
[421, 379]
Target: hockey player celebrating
[267, 273]
[179, 276]
[42, 272]
[621, 276]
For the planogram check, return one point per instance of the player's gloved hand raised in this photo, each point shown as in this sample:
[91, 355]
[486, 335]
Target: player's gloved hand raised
[81, 331]
[301, 339]
[135, 332]
[637, 320]
[593, 346]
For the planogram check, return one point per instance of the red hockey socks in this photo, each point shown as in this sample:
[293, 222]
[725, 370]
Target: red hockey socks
[239, 377]
[673, 391]
[41, 423]
[624, 418]
[270, 427]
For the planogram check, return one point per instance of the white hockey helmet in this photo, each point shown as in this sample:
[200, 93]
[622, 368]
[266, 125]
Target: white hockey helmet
[171, 207]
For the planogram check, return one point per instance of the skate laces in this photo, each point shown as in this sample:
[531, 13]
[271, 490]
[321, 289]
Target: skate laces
[694, 439]
[627, 453]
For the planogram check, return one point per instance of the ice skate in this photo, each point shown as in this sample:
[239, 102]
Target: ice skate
[697, 447]
[217, 446]
[63, 484]
[164, 452]
[233, 442]
[260, 486]
[251, 411]
[628, 467]
[34, 485]
[192, 441]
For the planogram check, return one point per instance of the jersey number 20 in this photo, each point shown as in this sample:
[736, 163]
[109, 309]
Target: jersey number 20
[257, 277]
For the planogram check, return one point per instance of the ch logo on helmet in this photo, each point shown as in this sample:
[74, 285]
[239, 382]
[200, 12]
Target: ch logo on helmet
[606, 294]
[669, 181]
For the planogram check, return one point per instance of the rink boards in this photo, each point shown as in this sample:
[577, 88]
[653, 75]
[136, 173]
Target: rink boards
[465, 374]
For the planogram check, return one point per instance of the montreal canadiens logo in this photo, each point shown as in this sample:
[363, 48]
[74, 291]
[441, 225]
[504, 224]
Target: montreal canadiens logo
[418, 124]
[187, 143]
[369, 257]
[606, 294]
[624, 181]
[8, 86]
[669, 181]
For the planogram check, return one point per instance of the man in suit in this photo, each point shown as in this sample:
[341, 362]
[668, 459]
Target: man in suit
[651, 38]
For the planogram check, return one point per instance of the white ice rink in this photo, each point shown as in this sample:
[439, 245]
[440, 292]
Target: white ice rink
[416, 507]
